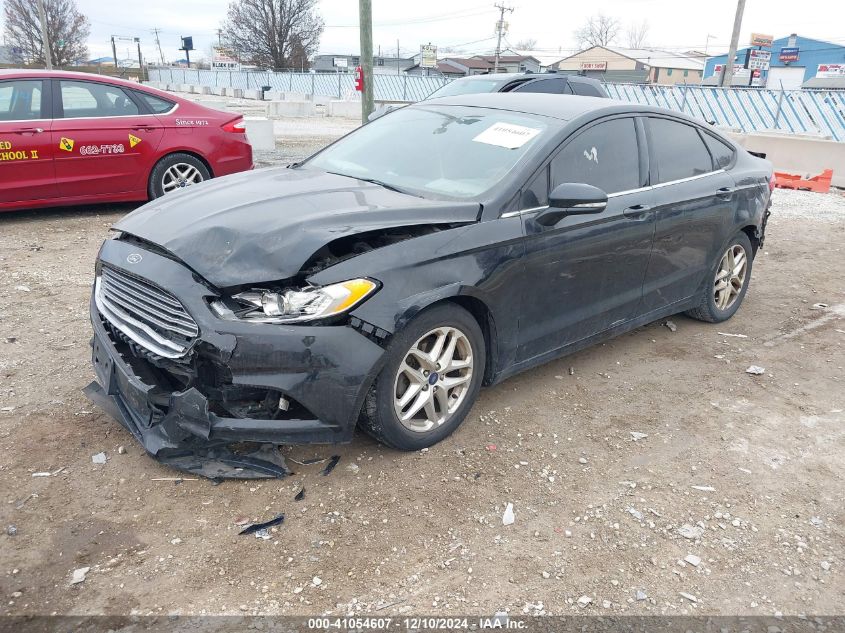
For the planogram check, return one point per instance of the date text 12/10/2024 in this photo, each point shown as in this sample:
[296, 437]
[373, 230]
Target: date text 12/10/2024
[499, 621]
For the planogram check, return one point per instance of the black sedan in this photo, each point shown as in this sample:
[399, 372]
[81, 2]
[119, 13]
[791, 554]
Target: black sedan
[445, 246]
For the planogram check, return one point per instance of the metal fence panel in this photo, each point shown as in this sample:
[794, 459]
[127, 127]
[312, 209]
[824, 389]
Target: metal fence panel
[819, 112]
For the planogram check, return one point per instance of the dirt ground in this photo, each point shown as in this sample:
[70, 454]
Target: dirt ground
[749, 467]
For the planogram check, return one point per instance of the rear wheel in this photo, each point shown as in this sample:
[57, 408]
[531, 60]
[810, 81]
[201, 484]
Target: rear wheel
[176, 171]
[430, 381]
[723, 295]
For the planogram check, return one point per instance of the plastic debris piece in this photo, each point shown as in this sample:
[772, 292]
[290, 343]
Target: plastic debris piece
[330, 466]
[99, 458]
[41, 474]
[508, 517]
[688, 596]
[255, 527]
[300, 495]
[263, 534]
[671, 325]
[79, 575]
[732, 335]
[636, 435]
[755, 370]
[704, 488]
[692, 559]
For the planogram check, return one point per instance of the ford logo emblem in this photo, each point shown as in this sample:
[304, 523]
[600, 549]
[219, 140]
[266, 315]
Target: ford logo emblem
[134, 258]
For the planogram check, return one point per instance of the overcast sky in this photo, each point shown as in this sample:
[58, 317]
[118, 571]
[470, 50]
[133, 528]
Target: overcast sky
[469, 24]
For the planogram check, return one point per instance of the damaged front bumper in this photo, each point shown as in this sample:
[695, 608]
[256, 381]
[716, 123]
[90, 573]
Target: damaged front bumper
[228, 387]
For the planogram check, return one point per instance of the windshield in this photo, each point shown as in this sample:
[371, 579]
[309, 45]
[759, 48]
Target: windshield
[457, 152]
[469, 87]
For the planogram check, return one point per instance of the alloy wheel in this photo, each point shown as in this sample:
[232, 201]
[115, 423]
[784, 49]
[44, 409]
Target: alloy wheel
[180, 175]
[730, 278]
[433, 379]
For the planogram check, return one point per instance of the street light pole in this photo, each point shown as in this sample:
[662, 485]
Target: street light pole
[45, 39]
[365, 20]
[728, 68]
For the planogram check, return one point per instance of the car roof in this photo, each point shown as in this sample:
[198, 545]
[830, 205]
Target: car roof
[63, 74]
[563, 107]
[40, 73]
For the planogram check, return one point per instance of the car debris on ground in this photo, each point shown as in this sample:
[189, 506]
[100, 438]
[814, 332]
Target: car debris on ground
[755, 370]
[255, 527]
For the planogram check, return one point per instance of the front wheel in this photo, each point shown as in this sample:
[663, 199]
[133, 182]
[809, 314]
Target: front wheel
[723, 295]
[176, 171]
[430, 381]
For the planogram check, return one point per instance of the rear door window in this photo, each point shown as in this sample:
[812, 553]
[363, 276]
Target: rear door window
[723, 155]
[605, 155]
[157, 105]
[678, 149]
[87, 99]
[20, 100]
[548, 86]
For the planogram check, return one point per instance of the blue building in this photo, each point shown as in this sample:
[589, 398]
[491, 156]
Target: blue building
[789, 67]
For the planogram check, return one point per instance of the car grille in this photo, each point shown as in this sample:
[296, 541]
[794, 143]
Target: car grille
[148, 315]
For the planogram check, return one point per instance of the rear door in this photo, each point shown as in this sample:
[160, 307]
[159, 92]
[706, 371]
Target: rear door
[26, 156]
[105, 139]
[694, 198]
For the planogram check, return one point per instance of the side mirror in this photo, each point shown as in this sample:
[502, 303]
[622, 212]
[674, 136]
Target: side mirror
[572, 198]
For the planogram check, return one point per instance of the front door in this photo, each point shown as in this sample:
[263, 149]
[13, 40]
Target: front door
[26, 156]
[585, 274]
[104, 139]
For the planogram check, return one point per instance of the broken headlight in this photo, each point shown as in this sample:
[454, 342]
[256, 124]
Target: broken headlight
[296, 305]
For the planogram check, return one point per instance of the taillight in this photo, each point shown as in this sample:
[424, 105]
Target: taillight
[772, 183]
[238, 126]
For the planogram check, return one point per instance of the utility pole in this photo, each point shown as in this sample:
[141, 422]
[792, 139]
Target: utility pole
[728, 68]
[140, 59]
[365, 21]
[113, 53]
[500, 27]
[158, 43]
[398, 70]
[45, 39]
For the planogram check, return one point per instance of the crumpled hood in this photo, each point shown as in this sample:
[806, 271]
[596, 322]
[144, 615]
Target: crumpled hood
[264, 225]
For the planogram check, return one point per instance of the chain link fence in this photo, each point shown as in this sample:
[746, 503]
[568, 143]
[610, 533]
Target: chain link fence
[816, 112]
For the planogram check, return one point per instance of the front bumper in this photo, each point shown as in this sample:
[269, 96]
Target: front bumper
[325, 370]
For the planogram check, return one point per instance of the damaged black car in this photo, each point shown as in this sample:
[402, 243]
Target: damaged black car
[381, 282]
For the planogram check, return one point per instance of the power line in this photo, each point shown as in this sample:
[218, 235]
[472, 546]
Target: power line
[500, 27]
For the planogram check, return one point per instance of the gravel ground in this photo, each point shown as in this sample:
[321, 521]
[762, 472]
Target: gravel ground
[648, 475]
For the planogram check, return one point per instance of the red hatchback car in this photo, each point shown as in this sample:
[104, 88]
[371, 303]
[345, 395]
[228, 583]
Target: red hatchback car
[71, 138]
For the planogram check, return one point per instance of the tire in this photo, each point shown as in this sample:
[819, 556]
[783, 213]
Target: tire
[164, 177]
[440, 391]
[713, 306]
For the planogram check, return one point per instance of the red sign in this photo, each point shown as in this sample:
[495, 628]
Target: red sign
[359, 79]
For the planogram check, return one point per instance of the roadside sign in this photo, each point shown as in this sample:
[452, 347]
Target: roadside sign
[788, 54]
[759, 39]
[341, 62]
[593, 65]
[428, 56]
[758, 60]
[223, 58]
[831, 70]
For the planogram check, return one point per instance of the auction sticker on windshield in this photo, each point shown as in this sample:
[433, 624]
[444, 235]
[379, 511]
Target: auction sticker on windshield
[507, 135]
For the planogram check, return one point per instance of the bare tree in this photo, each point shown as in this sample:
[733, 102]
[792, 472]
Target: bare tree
[274, 33]
[638, 34]
[67, 31]
[599, 30]
[528, 44]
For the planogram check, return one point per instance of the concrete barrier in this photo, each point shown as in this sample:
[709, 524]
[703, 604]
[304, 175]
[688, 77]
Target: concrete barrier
[798, 154]
[219, 91]
[260, 134]
[290, 108]
[297, 96]
[185, 87]
[237, 93]
[346, 109]
[274, 95]
[253, 94]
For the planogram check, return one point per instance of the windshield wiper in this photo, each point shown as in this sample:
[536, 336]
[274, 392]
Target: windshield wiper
[376, 181]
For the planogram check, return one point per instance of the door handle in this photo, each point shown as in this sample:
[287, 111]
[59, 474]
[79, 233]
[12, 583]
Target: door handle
[726, 192]
[29, 130]
[143, 126]
[637, 211]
